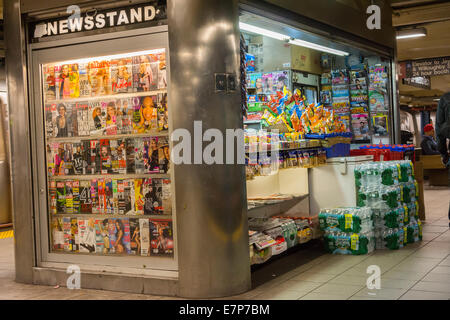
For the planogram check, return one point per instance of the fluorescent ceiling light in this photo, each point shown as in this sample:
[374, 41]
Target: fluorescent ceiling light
[282, 37]
[411, 33]
[314, 46]
[264, 32]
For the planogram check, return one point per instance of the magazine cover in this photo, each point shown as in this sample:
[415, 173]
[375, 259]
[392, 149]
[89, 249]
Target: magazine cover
[115, 196]
[150, 196]
[145, 236]
[112, 230]
[74, 235]
[166, 196]
[130, 155]
[55, 159]
[85, 197]
[67, 234]
[121, 75]
[268, 84]
[76, 196]
[78, 160]
[147, 153]
[126, 196]
[105, 157]
[69, 197]
[339, 76]
[281, 79]
[163, 154]
[163, 113]
[135, 237]
[61, 196]
[68, 159]
[49, 83]
[64, 82]
[101, 236]
[85, 87]
[82, 116]
[120, 197]
[97, 119]
[109, 196]
[161, 237]
[51, 113]
[380, 125]
[377, 100]
[74, 79]
[94, 197]
[162, 75]
[145, 73]
[122, 236]
[63, 121]
[111, 117]
[126, 115]
[140, 155]
[360, 126]
[58, 234]
[255, 81]
[94, 157]
[101, 196]
[99, 77]
[119, 156]
[145, 117]
[53, 197]
[87, 234]
[138, 197]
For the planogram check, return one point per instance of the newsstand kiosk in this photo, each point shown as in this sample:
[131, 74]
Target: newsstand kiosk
[97, 92]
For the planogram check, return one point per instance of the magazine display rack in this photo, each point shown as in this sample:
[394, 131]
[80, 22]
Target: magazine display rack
[107, 156]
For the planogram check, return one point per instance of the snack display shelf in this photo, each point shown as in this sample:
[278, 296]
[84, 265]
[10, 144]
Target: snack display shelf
[268, 209]
[103, 216]
[106, 97]
[111, 176]
[111, 137]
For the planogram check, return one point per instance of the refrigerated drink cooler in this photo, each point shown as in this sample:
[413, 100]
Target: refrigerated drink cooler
[333, 185]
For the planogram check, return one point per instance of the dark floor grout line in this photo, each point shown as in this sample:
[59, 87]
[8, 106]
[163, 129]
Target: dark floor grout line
[422, 278]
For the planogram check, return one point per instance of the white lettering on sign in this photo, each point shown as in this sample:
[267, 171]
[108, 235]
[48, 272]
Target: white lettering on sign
[111, 16]
[122, 18]
[77, 23]
[63, 26]
[89, 23]
[136, 15]
[52, 28]
[100, 19]
[149, 13]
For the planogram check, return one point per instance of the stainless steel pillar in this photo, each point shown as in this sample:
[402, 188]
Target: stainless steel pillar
[213, 251]
[22, 200]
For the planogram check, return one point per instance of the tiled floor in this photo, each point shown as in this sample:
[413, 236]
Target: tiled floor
[420, 271]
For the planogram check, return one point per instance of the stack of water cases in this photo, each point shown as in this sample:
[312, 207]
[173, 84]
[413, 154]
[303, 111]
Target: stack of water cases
[390, 190]
[348, 230]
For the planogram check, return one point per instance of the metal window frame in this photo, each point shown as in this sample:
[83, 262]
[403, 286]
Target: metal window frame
[64, 49]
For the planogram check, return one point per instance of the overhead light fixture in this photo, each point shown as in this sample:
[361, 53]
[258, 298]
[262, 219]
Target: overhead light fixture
[282, 37]
[411, 33]
[314, 46]
[437, 99]
[263, 32]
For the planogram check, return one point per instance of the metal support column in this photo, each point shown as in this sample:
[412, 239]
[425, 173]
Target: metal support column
[213, 251]
[22, 199]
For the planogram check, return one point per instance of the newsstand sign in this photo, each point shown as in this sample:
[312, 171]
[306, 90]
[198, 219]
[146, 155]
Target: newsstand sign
[98, 20]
